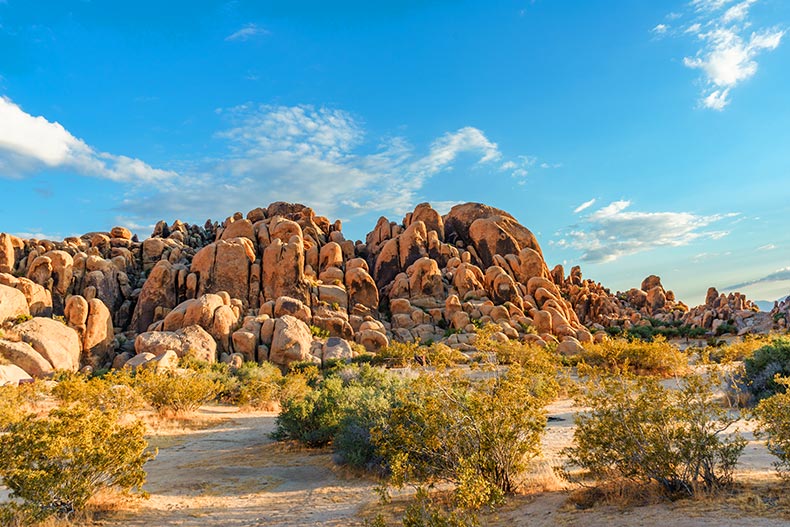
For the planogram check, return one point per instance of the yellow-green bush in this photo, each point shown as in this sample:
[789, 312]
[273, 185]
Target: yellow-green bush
[171, 393]
[774, 424]
[16, 402]
[479, 435]
[638, 430]
[658, 357]
[113, 391]
[56, 463]
[259, 385]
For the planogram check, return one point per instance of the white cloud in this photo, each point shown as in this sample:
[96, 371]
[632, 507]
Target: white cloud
[780, 275]
[29, 143]
[317, 156]
[248, 32]
[767, 247]
[614, 231]
[584, 206]
[660, 29]
[729, 47]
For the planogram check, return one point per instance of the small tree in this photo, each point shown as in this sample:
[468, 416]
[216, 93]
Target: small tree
[55, 464]
[638, 430]
[774, 424]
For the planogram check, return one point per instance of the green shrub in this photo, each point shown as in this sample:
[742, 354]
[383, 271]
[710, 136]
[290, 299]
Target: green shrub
[259, 385]
[17, 402]
[726, 328]
[651, 358]
[638, 430]
[22, 318]
[113, 391]
[320, 333]
[172, 393]
[55, 464]
[737, 350]
[478, 435]
[399, 354]
[774, 424]
[761, 369]
[316, 416]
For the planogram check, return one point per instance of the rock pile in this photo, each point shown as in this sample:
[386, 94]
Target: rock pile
[283, 284]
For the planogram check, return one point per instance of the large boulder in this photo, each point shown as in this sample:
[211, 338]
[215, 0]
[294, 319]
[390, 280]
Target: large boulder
[13, 375]
[159, 290]
[291, 341]
[490, 231]
[12, 304]
[7, 253]
[98, 340]
[53, 340]
[24, 356]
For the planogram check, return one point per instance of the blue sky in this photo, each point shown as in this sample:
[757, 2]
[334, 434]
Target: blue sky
[633, 137]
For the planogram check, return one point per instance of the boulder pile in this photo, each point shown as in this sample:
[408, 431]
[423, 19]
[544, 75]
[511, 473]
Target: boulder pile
[284, 285]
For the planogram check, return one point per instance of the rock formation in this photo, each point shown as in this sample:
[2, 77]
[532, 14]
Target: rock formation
[283, 284]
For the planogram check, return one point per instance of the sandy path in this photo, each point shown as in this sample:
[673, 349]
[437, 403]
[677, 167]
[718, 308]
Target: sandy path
[234, 475]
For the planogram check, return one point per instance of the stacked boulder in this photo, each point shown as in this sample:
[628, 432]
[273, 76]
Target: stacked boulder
[733, 309]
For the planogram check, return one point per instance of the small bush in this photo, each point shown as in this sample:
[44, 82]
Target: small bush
[761, 369]
[17, 402]
[737, 350]
[21, 319]
[346, 397]
[55, 464]
[647, 358]
[478, 435]
[774, 424]
[113, 391]
[259, 385]
[399, 354]
[638, 430]
[175, 394]
[320, 333]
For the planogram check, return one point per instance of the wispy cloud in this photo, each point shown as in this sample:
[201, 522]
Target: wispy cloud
[584, 206]
[613, 231]
[660, 29]
[247, 32]
[729, 46]
[767, 247]
[319, 156]
[780, 275]
[28, 144]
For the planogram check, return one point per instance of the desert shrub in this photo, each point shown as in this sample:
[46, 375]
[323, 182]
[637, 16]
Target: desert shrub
[638, 430]
[171, 393]
[399, 354]
[348, 396]
[113, 391]
[539, 360]
[761, 369]
[21, 318]
[651, 358]
[737, 350]
[478, 435]
[17, 402]
[321, 333]
[55, 464]
[774, 424]
[369, 399]
[259, 385]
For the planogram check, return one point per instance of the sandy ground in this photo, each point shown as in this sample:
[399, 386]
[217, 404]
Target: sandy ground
[221, 469]
[233, 474]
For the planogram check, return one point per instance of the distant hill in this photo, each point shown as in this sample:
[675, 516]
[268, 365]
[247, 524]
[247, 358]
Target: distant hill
[767, 305]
